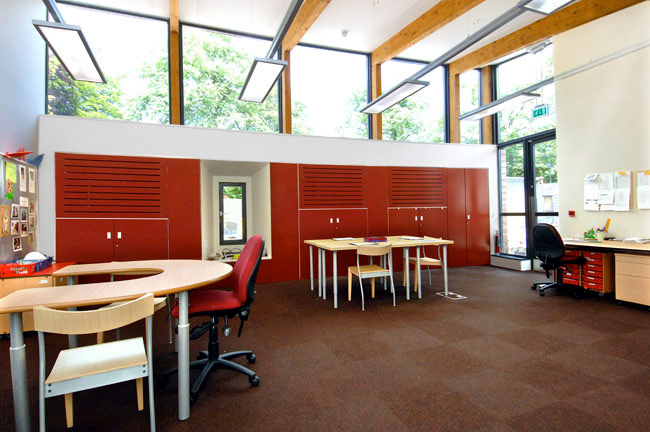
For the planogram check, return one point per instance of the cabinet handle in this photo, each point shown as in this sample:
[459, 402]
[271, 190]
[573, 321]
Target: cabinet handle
[108, 235]
[416, 218]
[337, 220]
[119, 234]
[469, 217]
[331, 220]
[421, 217]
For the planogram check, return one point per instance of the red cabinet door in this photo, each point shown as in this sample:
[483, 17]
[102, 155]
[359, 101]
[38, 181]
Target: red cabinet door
[456, 217]
[402, 221]
[314, 224]
[477, 207]
[433, 223]
[84, 240]
[141, 239]
[348, 223]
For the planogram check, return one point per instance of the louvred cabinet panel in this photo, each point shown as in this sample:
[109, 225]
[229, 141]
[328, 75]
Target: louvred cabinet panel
[417, 187]
[332, 186]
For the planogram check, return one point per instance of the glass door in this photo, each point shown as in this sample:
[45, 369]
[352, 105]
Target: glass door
[528, 190]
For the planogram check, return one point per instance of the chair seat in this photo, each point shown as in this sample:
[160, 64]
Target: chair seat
[209, 301]
[95, 359]
[426, 261]
[366, 270]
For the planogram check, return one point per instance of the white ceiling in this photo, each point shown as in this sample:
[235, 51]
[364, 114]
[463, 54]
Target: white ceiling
[368, 22]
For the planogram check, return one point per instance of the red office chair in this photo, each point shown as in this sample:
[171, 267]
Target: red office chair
[225, 304]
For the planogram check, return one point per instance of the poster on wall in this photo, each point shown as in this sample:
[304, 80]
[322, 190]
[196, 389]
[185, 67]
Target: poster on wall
[23, 177]
[643, 189]
[11, 175]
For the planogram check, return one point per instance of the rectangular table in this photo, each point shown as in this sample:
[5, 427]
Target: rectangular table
[334, 246]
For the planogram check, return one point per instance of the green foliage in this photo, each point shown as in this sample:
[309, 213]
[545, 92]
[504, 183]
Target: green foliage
[234, 192]
[545, 161]
[81, 99]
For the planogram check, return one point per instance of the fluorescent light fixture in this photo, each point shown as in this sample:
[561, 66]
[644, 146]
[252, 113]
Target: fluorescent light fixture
[261, 77]
[494, 107]
[546, 7]
[69, 45]
[401, 91]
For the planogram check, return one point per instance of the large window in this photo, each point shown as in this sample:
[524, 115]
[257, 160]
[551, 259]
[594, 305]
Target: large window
[420, 117]
[470, 89]
[132, 53]
[519, 73]
[328, 88]
[215, 66]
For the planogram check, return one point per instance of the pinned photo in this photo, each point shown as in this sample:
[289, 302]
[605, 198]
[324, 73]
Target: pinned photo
[24, 230]
[15, 227]
[32, 208]
[18, 244]
[14, 211]
[32, 180]
[30, 238]
[32, 222]
[23, 178]
[5, 216]
[23, 214]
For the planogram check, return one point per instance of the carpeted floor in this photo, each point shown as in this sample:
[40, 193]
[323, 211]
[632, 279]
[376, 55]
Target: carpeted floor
[504, 359]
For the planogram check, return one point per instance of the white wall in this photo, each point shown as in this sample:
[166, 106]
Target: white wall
[207, 203]
[22, 74]
[603, 115]
[261, 199]
[112, 137]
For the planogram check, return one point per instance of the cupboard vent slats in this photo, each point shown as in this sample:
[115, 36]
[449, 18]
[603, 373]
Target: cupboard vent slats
[110, 186]
[417, 187]
[332, 186]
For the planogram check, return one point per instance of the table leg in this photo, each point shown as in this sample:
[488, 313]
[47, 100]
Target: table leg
[18, 359]
[311, 267]
[335, 282]
[419, 272]
[444, 268]
[183, 357]
[320, 273]
[324, 267]
[406, 269]
[72, 339]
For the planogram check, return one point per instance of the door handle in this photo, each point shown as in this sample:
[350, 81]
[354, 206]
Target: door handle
[469, 217]
[421, 217]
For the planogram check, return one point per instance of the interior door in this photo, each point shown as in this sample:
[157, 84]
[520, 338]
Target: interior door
[456, 217]
[84, 240]
[477, 206]
[314, 224]
[140, 239]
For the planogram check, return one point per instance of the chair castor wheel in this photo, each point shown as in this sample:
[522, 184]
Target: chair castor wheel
[193, 397]
[533, 287]
[254, 380]
[541, 293]
[251, 358]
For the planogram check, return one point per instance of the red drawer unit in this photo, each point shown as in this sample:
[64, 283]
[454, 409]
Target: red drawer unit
[597, 273]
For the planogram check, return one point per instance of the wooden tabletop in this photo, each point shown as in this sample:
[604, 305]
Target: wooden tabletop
[610, 246]
[168, 277]
[396, 241]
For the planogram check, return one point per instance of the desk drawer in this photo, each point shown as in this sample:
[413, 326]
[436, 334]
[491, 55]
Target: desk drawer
[633, 289]
[593, 273]
[632, 268]
[594, 260]
[571, 279]
[572, 253]
[593, 286]
[593, 255]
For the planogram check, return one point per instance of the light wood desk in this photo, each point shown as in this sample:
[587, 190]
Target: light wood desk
[169, 277]
[336, 246]
[631, 269]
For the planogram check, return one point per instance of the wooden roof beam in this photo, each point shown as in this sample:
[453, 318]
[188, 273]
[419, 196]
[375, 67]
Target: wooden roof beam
[307, 15]
[435, 18]
[572, 16]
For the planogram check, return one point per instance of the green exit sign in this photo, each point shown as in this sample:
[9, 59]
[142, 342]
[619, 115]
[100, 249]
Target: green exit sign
[540, 111]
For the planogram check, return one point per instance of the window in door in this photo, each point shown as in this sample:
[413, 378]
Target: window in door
[232, 213]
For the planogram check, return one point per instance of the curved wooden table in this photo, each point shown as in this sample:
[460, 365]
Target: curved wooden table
[169, 277]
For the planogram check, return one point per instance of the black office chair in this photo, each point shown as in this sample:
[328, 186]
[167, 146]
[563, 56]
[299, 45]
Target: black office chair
[548, 247]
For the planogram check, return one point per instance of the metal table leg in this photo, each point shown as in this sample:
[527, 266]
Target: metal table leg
[311, 267]
[320, 273]
[324, 267]
[444, 268]
[417, 269]
[18, 359]
[406, 269]
[72, 339]
[335, 282]
[183, 357]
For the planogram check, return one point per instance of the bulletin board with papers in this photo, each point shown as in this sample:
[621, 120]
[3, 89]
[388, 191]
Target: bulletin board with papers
[608, 191]
[643, 189]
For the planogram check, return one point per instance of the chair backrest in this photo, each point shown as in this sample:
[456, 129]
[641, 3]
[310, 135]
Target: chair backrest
[244, 273]
[93, 321]
[547, 242]
[374, 250]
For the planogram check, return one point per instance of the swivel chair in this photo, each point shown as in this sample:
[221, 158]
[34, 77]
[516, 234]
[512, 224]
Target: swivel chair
[217, 304]
[549, 249]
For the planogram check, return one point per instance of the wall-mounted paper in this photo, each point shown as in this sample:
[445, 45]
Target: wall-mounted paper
[591, 205]
[622, 200]
[643, 189]
[591, 187]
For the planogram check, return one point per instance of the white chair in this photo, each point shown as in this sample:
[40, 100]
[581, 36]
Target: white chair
[93, 366]
[424, 261]
[371, 271]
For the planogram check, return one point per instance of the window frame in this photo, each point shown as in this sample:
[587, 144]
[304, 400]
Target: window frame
[222, 240]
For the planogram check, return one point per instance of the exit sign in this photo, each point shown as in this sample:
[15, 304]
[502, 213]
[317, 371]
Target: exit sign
[540, 111]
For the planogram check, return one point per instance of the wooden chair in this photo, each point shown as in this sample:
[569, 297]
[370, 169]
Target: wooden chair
[371, 271]
[158, 303]
[93, 366]
[424, 261]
